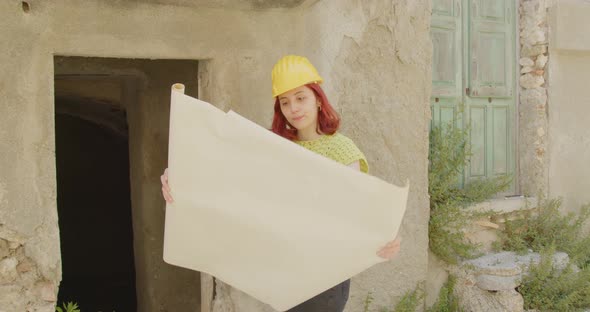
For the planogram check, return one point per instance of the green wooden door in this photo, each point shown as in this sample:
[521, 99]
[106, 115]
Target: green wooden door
[473, 79]
[447, 61]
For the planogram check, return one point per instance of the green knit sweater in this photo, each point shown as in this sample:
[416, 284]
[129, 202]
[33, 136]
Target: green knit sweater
[337, 147]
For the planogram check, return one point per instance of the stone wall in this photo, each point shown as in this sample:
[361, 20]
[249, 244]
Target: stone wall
[237, 61]
[532, 107]
[553, 100]
[374, 55]
[22, 283]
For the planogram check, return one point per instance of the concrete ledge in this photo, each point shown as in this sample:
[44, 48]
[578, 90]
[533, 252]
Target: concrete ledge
[507, 204]
[485, 230]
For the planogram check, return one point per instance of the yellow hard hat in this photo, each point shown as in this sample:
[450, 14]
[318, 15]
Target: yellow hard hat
[292, 71]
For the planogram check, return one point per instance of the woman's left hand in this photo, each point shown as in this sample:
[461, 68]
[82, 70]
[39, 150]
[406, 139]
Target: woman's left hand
[390, 250]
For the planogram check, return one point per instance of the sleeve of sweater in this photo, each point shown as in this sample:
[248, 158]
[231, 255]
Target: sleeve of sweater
[352, 153]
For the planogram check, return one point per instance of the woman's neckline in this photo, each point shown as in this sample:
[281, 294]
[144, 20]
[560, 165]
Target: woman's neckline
[321, 137]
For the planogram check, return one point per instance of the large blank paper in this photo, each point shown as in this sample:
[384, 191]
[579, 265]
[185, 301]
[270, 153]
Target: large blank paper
[264, 214]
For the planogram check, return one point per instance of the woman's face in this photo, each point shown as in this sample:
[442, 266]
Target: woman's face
[300, 107]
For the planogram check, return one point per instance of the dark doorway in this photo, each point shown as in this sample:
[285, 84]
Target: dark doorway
[112, 140]
[94, 207]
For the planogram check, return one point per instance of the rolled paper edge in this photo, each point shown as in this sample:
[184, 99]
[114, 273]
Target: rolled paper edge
[178, 87]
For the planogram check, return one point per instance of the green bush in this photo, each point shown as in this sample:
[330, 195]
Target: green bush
[447, 301]
[69, 307]
[410, 301]
[367, 302]
[413, 300]
[547, 288]
[545, 227]
[448, 154]
[546, 230]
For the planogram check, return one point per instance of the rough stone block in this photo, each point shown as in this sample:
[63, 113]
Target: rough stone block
[25, 265]
[541, 61]
[4, 252]
[11, 299]
[533, 97]
[537, 36]
[560, 260]
[488, 283]
[475, 299]
[50, 307]
[14, 245]
[8, 273]
[533, 50]
[525, 61]
[497, 283]
[526, 69]
[46, 291]
[498, 264]
[529, 81]
[532, 7]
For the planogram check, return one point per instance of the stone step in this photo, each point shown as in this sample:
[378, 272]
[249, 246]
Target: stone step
[485, 231]
[504, 270]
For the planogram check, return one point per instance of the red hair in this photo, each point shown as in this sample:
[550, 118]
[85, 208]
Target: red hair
[328, 119]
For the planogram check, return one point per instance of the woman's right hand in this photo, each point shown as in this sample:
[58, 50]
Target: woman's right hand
[166, 187]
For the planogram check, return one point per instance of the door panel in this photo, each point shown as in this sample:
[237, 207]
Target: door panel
[491, 48]
[446, 57]
[443, 7]
[444, 75]
[500, 140]
[477, 135]
[490, 36]
[473, 80]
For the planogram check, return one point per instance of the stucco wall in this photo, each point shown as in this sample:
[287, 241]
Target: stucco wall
[236, 75]
[376, 58]
[374, 55]
[569, 104]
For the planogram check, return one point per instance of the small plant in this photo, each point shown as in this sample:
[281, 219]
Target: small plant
[546, 230]
[449, 152]
[546, 288]
[447, 301]
[69, 307]
[368, 301]
[547, 227]
[410, 301]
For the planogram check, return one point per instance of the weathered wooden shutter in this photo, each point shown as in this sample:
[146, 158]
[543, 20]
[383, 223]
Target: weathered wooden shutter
[446, 39]
[446, 31]
[490, 48]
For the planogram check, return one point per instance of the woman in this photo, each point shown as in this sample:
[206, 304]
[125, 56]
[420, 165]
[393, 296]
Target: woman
[303, 114]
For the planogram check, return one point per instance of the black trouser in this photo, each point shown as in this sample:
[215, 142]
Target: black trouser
[331, 300]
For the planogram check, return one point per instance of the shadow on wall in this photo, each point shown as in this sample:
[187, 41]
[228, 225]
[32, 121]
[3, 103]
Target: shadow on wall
[111, 139]
[94, 209]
